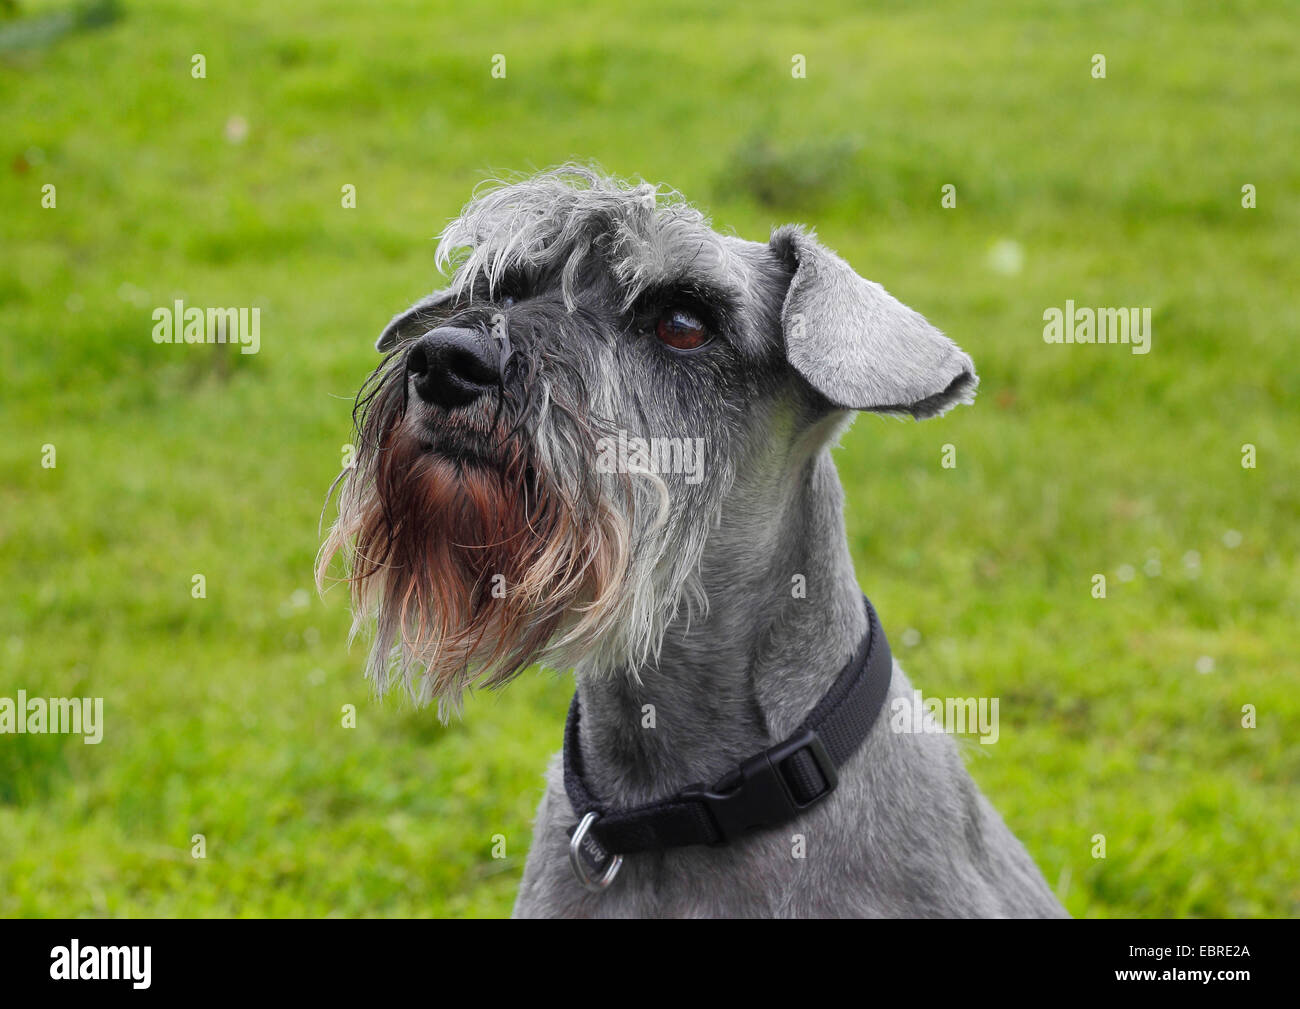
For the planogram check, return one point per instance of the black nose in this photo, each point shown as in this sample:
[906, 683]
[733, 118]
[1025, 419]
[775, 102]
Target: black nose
[452, 367]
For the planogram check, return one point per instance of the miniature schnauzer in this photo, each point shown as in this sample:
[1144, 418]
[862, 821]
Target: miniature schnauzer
[706, 599]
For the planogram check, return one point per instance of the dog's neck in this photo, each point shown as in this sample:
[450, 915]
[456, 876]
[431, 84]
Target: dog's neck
[785, 615]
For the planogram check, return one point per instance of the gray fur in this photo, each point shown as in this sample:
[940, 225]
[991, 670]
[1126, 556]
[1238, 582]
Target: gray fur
[862, 348]
[906, 833]
[404, 325]
[705, 627]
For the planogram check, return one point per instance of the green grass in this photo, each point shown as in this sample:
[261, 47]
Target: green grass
[224, 714]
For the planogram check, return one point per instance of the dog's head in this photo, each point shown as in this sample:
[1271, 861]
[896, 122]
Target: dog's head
[550, 440]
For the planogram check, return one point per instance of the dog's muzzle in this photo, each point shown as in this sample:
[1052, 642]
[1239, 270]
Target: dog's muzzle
[452, 366]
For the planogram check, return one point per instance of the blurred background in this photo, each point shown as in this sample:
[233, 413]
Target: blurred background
[1119, 716]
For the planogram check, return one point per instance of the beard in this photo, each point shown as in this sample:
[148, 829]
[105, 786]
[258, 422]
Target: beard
[472, 557]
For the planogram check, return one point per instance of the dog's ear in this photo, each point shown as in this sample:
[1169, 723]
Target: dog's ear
[857, 345]
[417, 317]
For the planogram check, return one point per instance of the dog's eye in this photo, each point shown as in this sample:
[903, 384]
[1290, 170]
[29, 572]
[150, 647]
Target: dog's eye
[507, 301]
[681, 330]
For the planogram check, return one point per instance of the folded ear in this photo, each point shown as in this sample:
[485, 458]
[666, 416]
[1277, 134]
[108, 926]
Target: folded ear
[860, 347]
[419, 317]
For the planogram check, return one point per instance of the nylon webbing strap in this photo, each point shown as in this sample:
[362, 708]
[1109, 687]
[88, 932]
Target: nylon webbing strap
[770, 788]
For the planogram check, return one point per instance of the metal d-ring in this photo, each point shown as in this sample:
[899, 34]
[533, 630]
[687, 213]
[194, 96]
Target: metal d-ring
[579, 866]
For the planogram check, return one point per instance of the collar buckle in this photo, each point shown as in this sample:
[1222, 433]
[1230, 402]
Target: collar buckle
[759, 792]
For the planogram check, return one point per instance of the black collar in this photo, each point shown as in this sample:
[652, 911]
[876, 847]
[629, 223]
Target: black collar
[770, 788]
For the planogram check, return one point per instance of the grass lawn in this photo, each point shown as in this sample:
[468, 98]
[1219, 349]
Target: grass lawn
[1120, 717]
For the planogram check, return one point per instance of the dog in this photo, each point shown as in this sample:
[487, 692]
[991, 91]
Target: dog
[605, 445]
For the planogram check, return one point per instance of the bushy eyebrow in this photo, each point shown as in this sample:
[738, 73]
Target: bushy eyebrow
[484, 284]
[719, 301]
